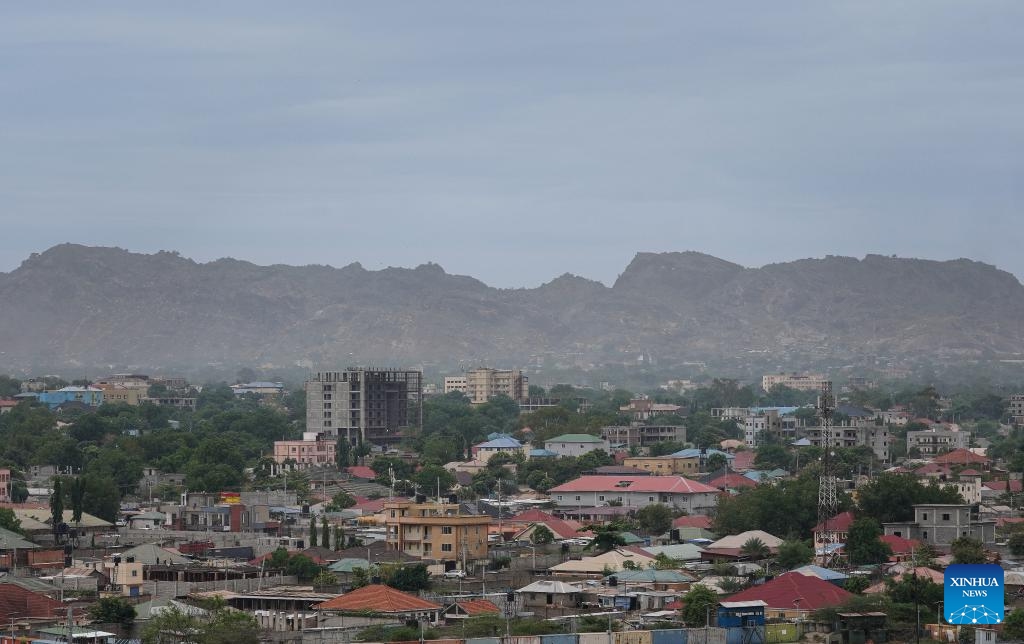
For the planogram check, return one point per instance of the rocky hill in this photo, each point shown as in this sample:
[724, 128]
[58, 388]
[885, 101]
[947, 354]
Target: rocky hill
[77, 305]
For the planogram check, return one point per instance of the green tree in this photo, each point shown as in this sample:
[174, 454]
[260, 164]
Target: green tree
[339, 537]
[77, 499]
[755, 549]
[891, 497]
[57, 505]
[340, 501]
[231, 627]
[864, 545]
[312, 532]
[606, 537]
[1013, 625]
[654, 519]
[172, 627]
[408, 578]
[541, 535]
[771, 457]
[696, 604]
[794, 553]
[10, 521]
[966, 550]
[112, 610]
[1016, 544]
[716, 462]
[915, 590]
[100, 497]
[856, 585]
[302, 567]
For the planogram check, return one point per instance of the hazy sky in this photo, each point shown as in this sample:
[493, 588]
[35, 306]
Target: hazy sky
[514, 141]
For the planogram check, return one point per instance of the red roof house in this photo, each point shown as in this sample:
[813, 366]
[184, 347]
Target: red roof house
[839, 523]
[378, 598]
[961, 457]
[361, 472]
[561, 528]
[793, 594]
[692, 521]
[732, 481]
[471, 608]
[17, 602]
[744, 460]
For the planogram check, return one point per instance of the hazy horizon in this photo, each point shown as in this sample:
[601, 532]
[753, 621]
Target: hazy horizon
[514, 143]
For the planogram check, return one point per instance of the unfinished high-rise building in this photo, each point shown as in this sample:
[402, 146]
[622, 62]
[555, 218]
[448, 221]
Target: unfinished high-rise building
[375, 406]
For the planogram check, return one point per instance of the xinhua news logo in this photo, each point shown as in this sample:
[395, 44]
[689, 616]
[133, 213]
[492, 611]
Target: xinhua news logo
[973, 594]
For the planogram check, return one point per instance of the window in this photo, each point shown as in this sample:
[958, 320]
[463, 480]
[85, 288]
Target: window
[600, 498]
[651, 499]
[924, 535]
[945, 516]
[924, 516]
[577, 497]
[447, 529]
[446, 547]
[559, 497]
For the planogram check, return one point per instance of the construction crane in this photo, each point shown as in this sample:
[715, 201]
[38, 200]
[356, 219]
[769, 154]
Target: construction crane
[828, 502]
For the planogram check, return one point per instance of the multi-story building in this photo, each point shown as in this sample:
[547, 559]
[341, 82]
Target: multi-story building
[798, 381]
[856, 434]
[484, 384]
[5, 485]
[127, 394]
[125, 380]
[642, 409]
[935, 441]
[435, 531]
[528, 405]
[575, 444]
[179, 402]
[636, 492]
[365, 405]
[1017, 409]
[314, 450]
[760, 424]
[640, 435]
[455, 383]
[938, 524]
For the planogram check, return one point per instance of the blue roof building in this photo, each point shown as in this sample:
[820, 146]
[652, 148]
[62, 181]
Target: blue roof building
[84, 395]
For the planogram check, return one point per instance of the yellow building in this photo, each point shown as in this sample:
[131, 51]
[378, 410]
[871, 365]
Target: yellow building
[435, 531]
[484, 384]
[128, 394]
[664, 465]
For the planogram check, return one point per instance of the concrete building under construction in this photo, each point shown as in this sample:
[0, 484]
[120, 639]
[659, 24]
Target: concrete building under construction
[375, 406]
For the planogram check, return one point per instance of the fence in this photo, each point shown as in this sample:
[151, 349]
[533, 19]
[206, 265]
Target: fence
[668, 636]
[182, 588]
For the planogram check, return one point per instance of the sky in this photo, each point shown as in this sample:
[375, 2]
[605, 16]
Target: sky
[514, 141]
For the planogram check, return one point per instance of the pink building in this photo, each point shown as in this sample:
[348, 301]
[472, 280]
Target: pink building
[313, 450]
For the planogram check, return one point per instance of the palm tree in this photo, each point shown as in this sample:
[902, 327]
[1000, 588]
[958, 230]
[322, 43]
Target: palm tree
[755, 549]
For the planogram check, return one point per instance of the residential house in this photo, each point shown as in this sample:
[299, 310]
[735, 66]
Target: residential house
[939, 524]
[635, 492]
[550, 595]
[483, 452]
[575, 444]
[384, 601]
[642, 436]
[314, 450]
[794, 596]
[436, 532]
[730, 548]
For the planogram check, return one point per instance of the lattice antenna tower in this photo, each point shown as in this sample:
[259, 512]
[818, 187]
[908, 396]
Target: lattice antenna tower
[828, 501]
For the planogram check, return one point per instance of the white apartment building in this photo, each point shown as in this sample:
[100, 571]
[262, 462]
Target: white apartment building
[455, 383]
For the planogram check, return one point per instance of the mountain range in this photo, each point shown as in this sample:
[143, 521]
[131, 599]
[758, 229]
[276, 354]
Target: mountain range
[91, 306]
